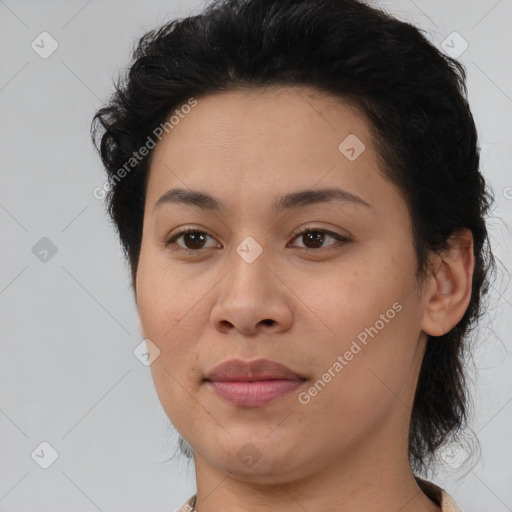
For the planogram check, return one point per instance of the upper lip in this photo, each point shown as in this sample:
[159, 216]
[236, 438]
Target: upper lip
[236, 370]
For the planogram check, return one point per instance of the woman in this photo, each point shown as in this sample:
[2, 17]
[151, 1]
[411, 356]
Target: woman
[296, 187]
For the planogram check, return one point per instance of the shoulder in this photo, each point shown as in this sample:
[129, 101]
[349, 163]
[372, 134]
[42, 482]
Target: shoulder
[189, 505]
[438, 495]
[448, 503]
[435, 493]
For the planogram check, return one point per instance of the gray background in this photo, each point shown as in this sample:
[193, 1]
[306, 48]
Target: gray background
[68, 375]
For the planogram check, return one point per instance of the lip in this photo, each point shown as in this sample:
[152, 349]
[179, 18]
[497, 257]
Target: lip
[237, 370]
[252, 383]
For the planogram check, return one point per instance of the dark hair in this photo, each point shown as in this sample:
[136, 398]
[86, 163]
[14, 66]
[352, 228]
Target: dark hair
[413, 96]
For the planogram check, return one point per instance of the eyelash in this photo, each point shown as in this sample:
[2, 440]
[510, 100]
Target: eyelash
[310, 229]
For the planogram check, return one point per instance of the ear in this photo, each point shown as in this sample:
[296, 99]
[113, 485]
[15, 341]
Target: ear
[449, 288]
[141, 328]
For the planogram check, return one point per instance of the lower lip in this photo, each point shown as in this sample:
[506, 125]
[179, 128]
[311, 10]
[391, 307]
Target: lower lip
[254, 394]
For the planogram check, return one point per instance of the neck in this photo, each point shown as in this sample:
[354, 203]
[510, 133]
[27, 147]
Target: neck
[370, 478]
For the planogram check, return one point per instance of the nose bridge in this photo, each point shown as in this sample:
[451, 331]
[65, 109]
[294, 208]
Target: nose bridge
[250, 274]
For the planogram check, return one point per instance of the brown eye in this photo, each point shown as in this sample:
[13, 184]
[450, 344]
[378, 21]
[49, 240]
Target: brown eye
[314, 238]
[193, 239]
[196, 239]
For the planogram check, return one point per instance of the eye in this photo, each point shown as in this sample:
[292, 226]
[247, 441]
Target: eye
[316, 237]
[192, 236]
[194, 239]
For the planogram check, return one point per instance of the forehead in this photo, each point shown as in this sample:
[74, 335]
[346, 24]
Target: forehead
[247, 117]
[251, 143]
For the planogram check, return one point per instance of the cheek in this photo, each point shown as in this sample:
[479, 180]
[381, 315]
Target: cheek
[363, 372]
[350, 295]
[171, 322]
[166, 317]
[165, 296]
[367, 312]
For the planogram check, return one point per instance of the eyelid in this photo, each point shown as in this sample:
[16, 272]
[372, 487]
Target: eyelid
[308, 228]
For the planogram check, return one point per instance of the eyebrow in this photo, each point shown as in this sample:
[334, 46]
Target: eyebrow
[287, 201]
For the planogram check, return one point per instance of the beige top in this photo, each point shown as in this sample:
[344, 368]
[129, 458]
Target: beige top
[439, 496]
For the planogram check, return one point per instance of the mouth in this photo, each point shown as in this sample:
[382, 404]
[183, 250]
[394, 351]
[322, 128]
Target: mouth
[254, 394]
[253, 383]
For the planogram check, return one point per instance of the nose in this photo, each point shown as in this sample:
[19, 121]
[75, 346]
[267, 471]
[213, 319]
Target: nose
[252, 297]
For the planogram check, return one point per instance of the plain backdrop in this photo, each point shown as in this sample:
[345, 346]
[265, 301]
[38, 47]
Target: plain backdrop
[68, 329]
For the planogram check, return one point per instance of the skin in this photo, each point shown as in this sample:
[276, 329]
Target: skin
[299, 303]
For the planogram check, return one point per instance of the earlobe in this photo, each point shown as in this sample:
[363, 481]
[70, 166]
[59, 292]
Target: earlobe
[449, 292]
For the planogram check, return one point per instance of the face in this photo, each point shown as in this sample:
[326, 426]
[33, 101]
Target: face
[323, 284]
